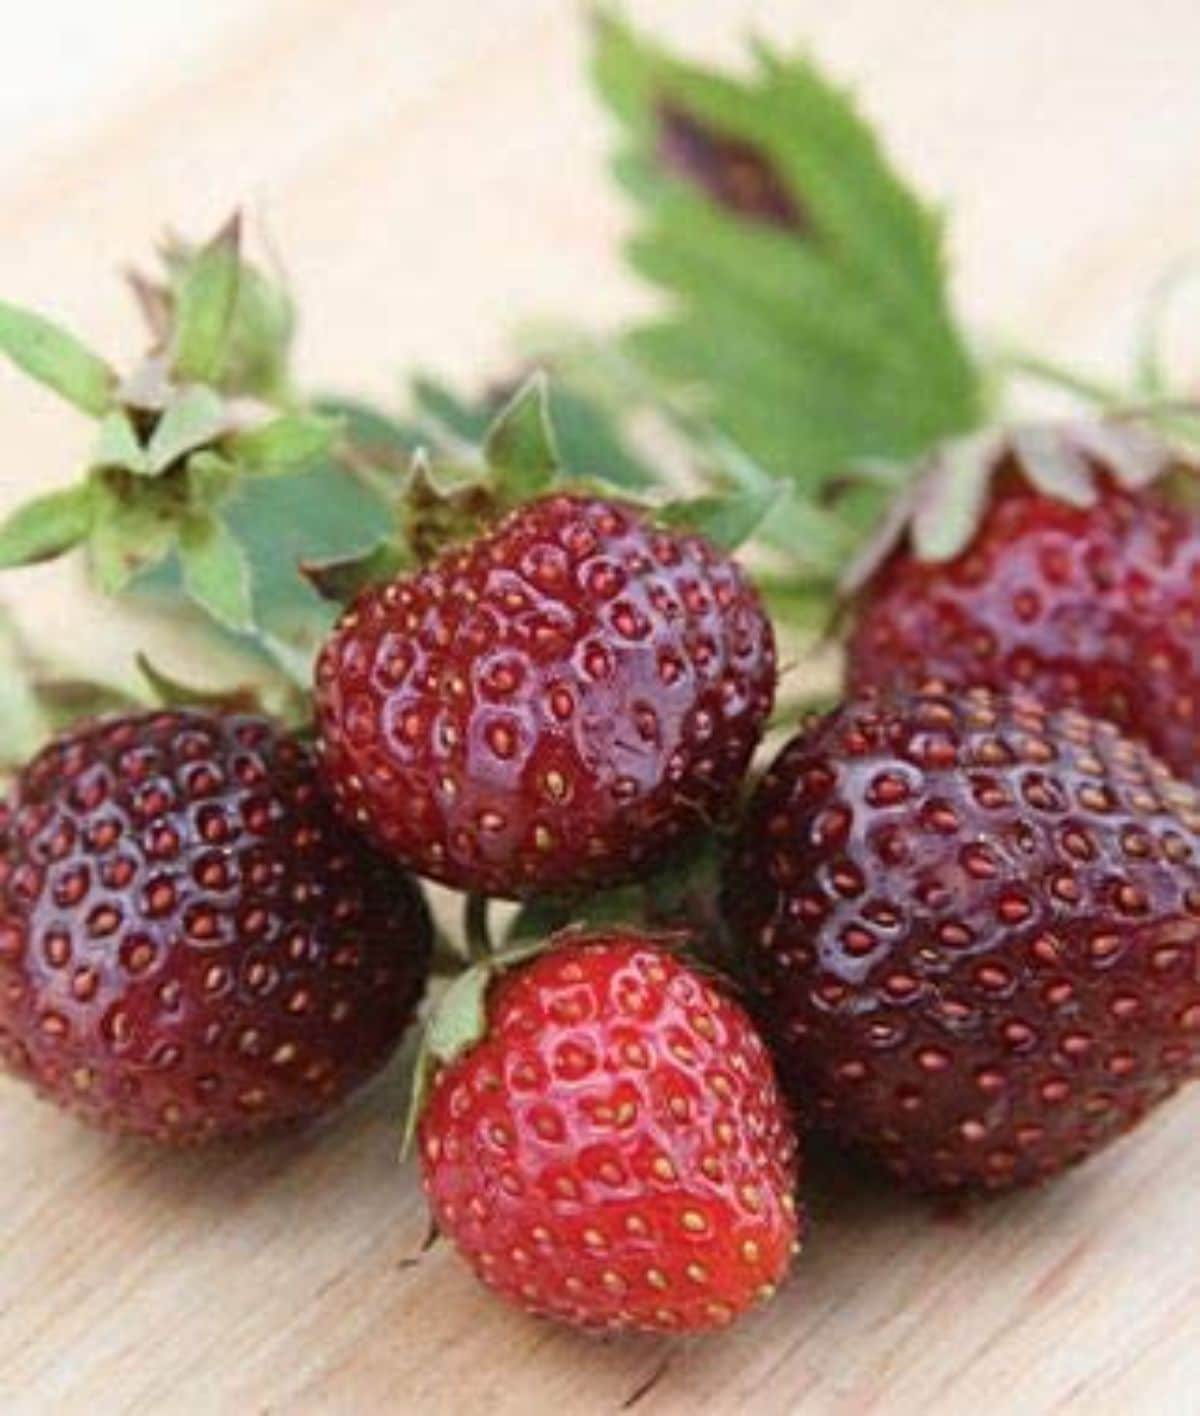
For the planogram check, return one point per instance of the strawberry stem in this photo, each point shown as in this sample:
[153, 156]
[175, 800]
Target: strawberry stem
[1021, 363]
[475, 926]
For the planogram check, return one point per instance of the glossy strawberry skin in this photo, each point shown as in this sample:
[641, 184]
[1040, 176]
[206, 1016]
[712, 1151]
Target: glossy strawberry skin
[972, 929]
[615, 1153]
[552, 706]
[1095, 607]
[191, 943]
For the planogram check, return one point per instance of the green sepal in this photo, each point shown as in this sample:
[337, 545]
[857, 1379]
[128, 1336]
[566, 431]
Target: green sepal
[171, 692]
[520, 446]
[284, 444]
[204, 306]
[194, 418]
[342, 580]
[216, 573]
[727, 520]
[134, 526]
[24, 726]
[258, 347]
[211, 477]
[951, 495]
[46, 527]
[55, 358]
[118, 446]
[65, 702]
[457, 1023]
[441, 505]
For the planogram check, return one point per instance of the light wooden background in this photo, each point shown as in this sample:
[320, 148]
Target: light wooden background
[432, 170]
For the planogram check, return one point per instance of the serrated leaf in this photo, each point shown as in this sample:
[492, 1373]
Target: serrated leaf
[728, 520]
[204, 307]
[174, 693]
[48, 353]
[215, 571]
[284, 444]
[133, 527]
[195, 417]
[951, 494]
[46, 527]
[118, 446]
[807, 317]
[520, 446]
[340, 581]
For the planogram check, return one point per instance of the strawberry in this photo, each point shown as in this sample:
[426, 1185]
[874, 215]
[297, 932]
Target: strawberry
[1085, 593]
[551, 706]
[972, 927]
[191, 944]
[614, 1152]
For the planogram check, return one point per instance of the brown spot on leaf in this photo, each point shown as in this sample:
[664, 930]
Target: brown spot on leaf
[734, 173]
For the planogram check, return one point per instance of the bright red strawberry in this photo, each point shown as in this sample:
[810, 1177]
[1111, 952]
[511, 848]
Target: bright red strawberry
[551, 706]
[1090, 606]
[191, 943]
[973, 928]
[615, 1153]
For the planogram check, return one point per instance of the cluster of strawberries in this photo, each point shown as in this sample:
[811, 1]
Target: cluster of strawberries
[965, 916]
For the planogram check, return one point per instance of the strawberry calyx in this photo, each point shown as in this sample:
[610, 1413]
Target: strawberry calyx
[209, 407]
[942, 502]
[458, 1020]
[443, 503]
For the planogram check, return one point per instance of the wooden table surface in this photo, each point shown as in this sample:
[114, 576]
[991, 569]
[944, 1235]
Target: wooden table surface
[433, 172]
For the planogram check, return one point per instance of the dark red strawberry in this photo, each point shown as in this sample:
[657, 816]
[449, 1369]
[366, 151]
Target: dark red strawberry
[1091, 601]
[973, 930]
[191, 943]
[551, 706]
[615, 1153]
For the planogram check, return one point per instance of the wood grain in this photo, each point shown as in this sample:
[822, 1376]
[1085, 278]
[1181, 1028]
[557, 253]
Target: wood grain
[434, 175]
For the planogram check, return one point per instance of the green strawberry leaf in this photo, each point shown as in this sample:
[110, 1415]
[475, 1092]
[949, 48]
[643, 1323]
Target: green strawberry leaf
[118, 446]
[806, 318]
[291, 441]
[194, 418]
[342, 580]
[216, 573]
[57, 359]
[449, 419]
[46, 527]
[520, 446]
[204, 307]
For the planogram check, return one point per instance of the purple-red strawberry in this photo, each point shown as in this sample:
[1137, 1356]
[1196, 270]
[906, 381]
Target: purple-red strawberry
[549, 707]
[973, 930]
[191, 943]
[1090, 602]
[615, 1152]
